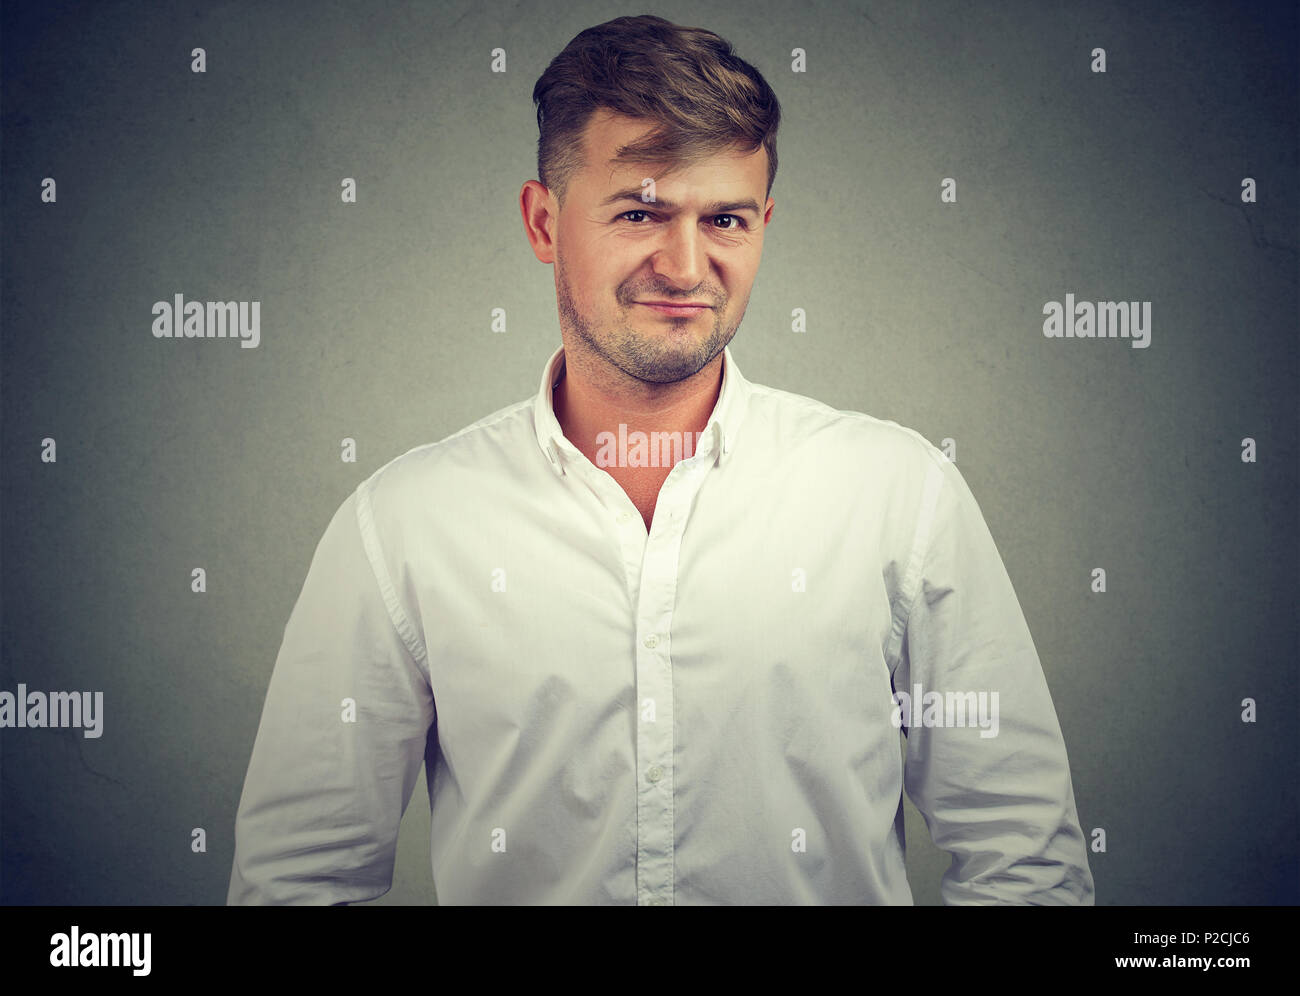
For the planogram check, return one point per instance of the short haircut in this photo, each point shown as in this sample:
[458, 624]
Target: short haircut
[703, 98]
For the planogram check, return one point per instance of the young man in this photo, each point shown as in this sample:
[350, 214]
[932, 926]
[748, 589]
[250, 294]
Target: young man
[654, 631]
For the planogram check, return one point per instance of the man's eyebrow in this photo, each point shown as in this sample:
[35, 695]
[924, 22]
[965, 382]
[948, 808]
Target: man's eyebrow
[716, 207]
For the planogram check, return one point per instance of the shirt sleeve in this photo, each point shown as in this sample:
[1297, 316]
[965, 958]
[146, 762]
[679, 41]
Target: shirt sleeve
[341, 739]
[995, 793]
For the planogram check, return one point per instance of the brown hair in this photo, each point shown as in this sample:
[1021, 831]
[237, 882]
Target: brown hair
[703, 97]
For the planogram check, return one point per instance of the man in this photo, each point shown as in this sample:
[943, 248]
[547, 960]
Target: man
[654, 631]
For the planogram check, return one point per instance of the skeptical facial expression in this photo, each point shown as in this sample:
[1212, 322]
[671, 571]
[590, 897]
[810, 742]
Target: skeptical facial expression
[653, 270]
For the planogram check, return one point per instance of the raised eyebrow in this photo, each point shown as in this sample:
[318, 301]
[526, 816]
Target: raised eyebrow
[717, 207]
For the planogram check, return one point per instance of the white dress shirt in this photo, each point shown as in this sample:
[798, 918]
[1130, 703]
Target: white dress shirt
[698, 713]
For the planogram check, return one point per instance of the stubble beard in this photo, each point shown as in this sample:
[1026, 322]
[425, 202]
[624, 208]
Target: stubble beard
[666, 355]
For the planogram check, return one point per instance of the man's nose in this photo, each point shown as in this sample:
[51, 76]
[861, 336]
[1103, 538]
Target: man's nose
[681, 257]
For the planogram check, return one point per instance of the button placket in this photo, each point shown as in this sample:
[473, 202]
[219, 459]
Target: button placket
[654, 676]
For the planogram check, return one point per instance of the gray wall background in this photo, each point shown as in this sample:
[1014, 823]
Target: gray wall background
[225, 186]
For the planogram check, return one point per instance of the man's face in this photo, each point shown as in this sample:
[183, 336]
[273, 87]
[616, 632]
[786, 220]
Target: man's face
[699, 240]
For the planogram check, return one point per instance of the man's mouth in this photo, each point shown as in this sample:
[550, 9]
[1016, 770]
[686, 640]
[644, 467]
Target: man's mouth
[678, 310]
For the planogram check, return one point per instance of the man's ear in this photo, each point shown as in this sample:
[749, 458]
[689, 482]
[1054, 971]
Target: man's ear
[540, 211]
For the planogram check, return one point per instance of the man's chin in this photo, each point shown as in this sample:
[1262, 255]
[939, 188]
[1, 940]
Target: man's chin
[668, 367]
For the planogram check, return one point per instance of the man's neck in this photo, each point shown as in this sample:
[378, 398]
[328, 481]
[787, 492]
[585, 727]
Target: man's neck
[590, 401]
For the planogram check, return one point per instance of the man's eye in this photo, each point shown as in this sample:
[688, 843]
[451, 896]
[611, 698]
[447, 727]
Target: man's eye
[739, 222]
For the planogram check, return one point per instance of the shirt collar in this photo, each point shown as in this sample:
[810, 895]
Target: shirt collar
[719, 437]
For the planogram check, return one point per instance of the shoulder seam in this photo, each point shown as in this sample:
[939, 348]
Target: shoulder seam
[935, 481]
[379, 569]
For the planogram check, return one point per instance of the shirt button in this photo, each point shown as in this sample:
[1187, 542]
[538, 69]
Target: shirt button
[655, 773]
[651, 641]
[624, 516]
